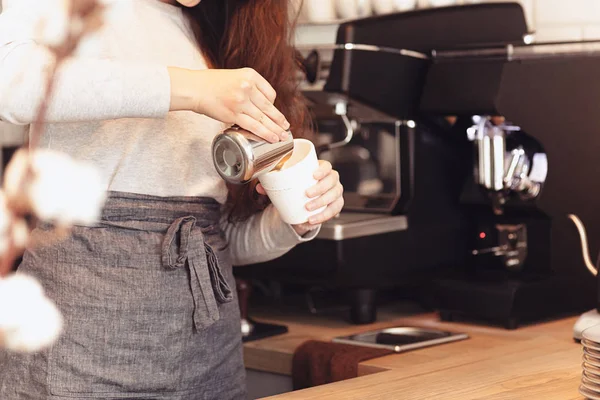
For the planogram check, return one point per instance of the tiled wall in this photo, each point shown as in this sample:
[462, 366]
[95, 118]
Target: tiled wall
[557, 19]
[11, 136]
[563, 19]
[552, 20]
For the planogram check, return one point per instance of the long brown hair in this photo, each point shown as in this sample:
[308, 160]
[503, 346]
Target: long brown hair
[257, 34]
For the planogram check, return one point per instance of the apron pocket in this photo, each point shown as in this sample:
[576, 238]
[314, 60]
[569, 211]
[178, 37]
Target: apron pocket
[125, 352]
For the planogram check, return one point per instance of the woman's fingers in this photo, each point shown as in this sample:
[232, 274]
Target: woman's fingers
[268, 108]
[259, 106]
[326, 198]
[254, 126]
[260, 189]
[331, 211]
[328, 182]
[254, 112]
[262, 84]
[324, 169]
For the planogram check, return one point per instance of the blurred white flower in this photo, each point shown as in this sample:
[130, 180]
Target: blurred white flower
[59, 189]
[11, 228]
[29, 321]
[19, 233]
[52, 29]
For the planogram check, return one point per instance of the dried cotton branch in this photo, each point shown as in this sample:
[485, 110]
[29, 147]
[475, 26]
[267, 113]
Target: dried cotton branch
[44, 185]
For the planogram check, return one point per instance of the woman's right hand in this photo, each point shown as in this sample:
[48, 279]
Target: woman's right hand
[233, 96]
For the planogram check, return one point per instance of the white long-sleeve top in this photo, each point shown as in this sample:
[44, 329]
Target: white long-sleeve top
[111, 108]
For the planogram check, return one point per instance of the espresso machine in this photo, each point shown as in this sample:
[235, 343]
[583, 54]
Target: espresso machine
[466, 152]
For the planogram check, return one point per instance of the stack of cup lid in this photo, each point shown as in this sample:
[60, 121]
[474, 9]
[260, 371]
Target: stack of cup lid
[590, 379]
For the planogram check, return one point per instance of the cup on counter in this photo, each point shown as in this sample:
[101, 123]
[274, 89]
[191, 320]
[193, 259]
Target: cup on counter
[364, 8]
[383, 6]
[346, 9]
[286, 187]
[405, 5]
[442, 3]
[352, 9]
[296, 11]
[319, 10]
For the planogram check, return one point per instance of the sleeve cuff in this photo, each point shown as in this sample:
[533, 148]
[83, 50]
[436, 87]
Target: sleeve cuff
[284, 234]
[307, 237]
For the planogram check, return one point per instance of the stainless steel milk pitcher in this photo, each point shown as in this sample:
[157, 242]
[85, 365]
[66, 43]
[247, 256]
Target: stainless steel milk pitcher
[240, 156]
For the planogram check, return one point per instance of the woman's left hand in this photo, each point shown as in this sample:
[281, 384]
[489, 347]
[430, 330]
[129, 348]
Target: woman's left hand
[328, 192]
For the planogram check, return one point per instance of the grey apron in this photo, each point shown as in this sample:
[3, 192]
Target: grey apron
[149, 308]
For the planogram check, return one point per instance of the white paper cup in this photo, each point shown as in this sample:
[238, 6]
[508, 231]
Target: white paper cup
[383, 6]
[320, 10]
[287, 187]
[405, 5]
[346, 9]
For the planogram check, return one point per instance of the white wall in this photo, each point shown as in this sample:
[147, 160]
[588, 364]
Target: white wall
[10, 135]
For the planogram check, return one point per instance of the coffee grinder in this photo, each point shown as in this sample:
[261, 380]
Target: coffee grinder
[527, 110]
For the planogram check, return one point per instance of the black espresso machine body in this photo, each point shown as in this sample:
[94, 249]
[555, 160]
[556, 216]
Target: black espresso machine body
[408, 225]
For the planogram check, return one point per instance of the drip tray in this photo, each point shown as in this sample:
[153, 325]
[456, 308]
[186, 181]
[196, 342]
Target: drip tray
[401, 339]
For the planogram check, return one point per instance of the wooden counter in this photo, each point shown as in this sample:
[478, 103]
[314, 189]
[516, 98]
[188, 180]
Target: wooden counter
[536, 362]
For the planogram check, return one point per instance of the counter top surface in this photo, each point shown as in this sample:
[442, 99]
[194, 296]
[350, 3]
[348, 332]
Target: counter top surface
[535, 362]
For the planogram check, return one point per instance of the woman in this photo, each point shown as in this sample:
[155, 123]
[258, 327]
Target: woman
[148, 294]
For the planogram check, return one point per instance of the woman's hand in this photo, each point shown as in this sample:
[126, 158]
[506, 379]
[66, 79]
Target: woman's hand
[236, 96]
[327, 192]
